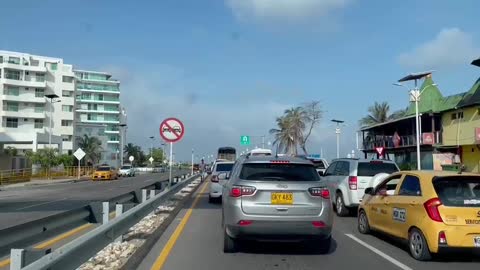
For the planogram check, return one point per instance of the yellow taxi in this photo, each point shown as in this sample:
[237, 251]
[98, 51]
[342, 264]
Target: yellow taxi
[105, 173]
[433, 211]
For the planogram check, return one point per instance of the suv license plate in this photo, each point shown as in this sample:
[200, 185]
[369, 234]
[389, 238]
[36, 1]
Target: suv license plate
[476, 241]
[282, 198]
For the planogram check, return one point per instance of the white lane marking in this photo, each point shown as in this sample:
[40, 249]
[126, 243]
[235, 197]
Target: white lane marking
[378, 252]
[38, 204]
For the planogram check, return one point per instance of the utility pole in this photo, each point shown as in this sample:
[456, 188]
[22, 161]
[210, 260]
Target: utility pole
[193, 154]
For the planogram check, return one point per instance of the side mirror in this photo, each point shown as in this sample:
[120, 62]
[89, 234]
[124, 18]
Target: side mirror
[369, 191]
[222, 176]
[320, 173]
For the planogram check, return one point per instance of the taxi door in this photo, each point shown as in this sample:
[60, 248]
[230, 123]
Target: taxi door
[380, 205]
[406, 206]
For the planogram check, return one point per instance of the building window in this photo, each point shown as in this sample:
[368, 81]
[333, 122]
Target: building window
[67, 108]
[11, 91]
[92, 107]
[39, 108]
[53, 66]
[39, 92]
[92, 117]
[67, 138]
[12, 107]
[39, 77]
[12, 122]
[67, 123]
[12, 74]
[457, 115]
[38, 123]
[1, 59]
[66, 93]
[67, 79]
[14, 60]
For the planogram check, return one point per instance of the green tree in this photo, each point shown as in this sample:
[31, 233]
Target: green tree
[136, 151]
[313, 114]
[11, 151]
[157, 154]
[282, 137]
[380, 113]
[92, 146]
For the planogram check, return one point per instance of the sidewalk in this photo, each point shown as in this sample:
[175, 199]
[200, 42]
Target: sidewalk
[44, 182]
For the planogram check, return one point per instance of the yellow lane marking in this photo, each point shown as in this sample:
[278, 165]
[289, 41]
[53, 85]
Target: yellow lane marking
[162, 258]
[57, 239]
[4, 263]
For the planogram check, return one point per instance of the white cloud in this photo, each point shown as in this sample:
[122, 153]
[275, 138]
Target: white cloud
[283, 10]
[451, 47]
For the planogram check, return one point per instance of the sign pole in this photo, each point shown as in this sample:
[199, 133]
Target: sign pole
[192, 161]
[170, 162]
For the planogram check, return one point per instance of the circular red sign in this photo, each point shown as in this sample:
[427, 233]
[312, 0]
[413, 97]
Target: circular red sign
[172, 130]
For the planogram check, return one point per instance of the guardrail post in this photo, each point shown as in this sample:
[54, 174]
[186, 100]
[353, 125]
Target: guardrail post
[118, 212]
[144, 195]
[17, 259]
[152, 193]
[105, 212]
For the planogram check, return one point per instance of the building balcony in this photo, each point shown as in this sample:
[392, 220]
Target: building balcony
[11, 65]
[30, 98]
[24, 114]
[103, 101]
[112, 132]
[96, 111]
[33, 84]
[113, 142]
[102, 121]
[389, 142]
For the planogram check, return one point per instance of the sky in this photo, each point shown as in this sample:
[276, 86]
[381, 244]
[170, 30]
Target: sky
[228, 68]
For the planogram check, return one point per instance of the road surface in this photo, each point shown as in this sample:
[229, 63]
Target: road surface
[195, 241]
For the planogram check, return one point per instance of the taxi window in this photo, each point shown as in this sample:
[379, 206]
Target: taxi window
[389, 186]
[410, 186]
[458, 191]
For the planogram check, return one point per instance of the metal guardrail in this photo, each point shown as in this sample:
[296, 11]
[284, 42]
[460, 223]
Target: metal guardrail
[78, 251]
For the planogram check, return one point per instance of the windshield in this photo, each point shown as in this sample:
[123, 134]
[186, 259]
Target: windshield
[458, 191]
[279, 172]
[319, 164]
[224, 167]
[126, 167]
[374, 168]
[103, 169]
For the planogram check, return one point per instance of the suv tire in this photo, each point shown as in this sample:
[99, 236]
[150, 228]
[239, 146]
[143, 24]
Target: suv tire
[229, 244]
[341, 209]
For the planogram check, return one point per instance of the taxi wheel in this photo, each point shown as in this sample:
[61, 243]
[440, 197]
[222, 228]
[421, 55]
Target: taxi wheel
[363, 224]
[342, 210]
[418, 246]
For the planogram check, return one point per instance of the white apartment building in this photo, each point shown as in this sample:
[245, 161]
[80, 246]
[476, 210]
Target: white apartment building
[25, 79]
[98, 112]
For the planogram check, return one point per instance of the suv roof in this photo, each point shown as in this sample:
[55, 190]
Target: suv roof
[364, 160]
[268, 159]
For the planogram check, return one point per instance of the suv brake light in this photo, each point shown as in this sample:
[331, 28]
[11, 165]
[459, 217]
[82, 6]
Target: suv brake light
[319, 192]
[239, 191]
[214, 179]
[352, 182]
[432, 209]
[279, 161]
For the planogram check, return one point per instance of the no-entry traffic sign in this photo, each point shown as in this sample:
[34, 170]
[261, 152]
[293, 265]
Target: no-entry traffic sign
[172, 130]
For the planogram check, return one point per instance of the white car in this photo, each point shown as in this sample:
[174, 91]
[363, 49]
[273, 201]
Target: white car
[216, 187]
[347, 179]
[126, 170]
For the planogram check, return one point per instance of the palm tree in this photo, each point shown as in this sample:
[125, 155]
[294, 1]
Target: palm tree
[378, 114]
[289, 133]
[131, 150]
[92, 147]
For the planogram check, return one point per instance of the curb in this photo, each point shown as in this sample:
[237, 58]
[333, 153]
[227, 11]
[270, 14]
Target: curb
[139, 255]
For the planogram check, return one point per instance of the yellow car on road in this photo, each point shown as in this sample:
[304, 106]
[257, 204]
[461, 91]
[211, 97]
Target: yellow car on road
[105, 173]
[434, 212]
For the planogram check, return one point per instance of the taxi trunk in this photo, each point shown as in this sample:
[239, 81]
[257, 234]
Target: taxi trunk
[458, 207]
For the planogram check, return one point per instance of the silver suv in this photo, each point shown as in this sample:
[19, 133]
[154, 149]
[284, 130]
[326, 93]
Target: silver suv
[276, 198]
[348, 178]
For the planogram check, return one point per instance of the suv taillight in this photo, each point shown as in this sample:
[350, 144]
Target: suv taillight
[352, 182]
[432, 209]
[239, 191]
[319, 192]
[214, 179]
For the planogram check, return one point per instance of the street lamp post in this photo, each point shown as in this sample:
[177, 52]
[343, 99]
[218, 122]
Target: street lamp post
[52, 101]
[338, 131]
[122, 141]
[151, 148]
[193, 154]
[415, 94]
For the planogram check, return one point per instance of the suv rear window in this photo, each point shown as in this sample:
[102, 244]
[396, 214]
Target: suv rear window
[224, 167]
[279, 172]
[458, 191]
[318, 164]
[373, 168]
